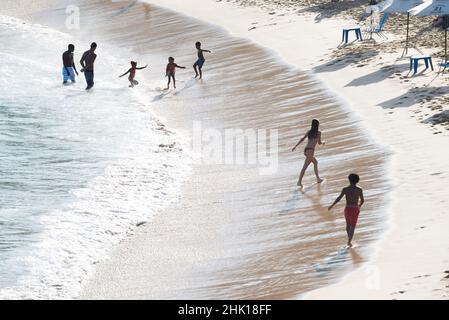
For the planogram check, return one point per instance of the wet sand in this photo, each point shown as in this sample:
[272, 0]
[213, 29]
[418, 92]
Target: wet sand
[411, 260]
[236, 233]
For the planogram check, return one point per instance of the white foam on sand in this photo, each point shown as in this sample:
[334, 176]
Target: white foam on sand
[112, 164]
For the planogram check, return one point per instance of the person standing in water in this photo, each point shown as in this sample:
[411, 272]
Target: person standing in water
[69, 69]
[198, 66]
[132, 74]
[314, 138]
[353, 195]
[87, 62]
[170, 72]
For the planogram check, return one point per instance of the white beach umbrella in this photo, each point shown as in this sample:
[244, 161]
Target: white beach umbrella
[376, 8]
[400, 6]
[435, 8]
[381, 6]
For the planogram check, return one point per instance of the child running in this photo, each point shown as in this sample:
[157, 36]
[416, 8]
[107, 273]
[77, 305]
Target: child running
[198, 66]
[314, 138]
[171, 71]
[132, 74]
[352, 193]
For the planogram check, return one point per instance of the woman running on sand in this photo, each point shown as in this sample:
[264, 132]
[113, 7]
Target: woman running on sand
[314, 138]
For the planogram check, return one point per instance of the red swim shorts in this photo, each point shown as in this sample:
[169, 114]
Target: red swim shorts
[352, 215]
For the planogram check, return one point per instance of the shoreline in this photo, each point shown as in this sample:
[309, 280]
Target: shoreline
[104, 204]
[157, 252]
[396, 269]
[249, 240]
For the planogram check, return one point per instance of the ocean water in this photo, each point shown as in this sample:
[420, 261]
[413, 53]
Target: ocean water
[78, 170]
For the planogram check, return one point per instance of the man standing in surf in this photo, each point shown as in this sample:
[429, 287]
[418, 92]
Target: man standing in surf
[68, 69]
[353, 195]
[198, 66]
[313, 138]
[87, 62]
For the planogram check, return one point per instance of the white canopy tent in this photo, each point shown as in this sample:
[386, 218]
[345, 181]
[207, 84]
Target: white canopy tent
[435, 8]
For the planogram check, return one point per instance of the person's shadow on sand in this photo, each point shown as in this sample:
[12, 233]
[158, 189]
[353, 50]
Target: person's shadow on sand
[339, 259]
[291, 203]
[125, 9]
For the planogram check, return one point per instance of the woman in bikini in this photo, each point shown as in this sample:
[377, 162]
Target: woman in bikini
[314, 138]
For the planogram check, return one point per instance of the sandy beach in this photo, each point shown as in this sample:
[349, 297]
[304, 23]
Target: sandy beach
[236, 234]
[411, 259]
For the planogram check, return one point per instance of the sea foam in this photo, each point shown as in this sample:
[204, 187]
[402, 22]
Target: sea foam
[79, 169]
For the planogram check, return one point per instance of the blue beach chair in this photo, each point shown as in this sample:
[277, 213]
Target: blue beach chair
[379, 29]
[443, 65]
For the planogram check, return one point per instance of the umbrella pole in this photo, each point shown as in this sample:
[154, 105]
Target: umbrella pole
[404, 53]
[408, 26]
[445, 38]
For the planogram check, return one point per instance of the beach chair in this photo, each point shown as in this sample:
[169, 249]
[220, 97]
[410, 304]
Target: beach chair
[443, 66]
[378, 30]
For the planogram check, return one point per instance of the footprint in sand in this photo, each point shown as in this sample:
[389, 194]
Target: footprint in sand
[422, 276]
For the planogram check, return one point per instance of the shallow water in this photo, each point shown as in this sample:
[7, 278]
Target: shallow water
[278, 241]
[78, 169]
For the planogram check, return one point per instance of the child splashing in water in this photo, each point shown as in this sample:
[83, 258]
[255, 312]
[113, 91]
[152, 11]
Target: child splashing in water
[132, 74]
[314, 138]
[353, 194]
[171, 71]
[198, 66]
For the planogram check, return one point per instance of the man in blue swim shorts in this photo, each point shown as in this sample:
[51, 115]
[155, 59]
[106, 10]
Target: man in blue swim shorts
[198, 66]
[68, 69]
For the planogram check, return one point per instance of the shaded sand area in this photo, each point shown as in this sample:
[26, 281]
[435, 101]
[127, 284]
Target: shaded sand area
[412, 260]
[236, 233]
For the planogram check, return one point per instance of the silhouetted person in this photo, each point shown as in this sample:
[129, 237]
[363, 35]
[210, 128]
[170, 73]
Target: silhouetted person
[69, 69]
[198, 66]
[87, 62]
[132, 74]
[353, 194]
[313, 138]
[170, 72]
